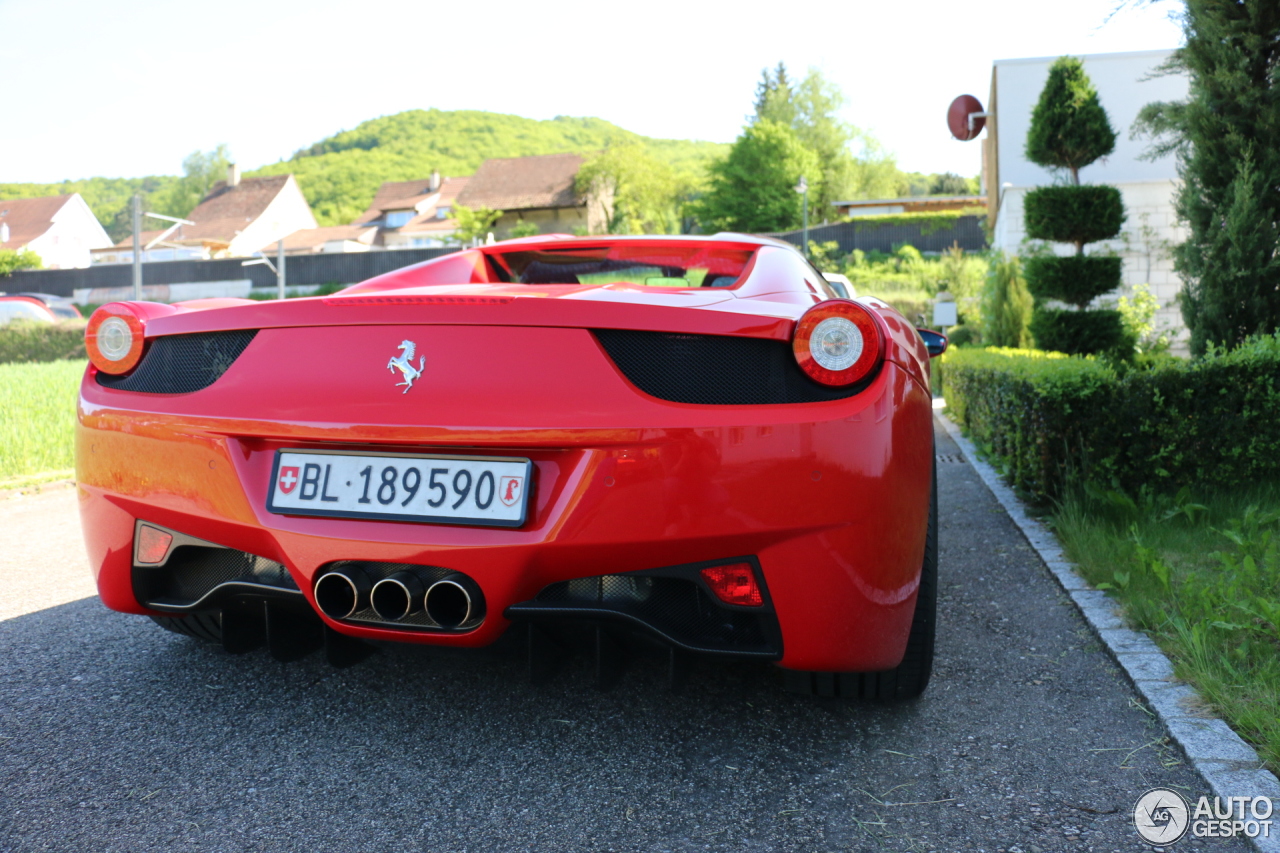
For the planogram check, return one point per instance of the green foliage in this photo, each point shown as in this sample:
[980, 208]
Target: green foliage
[201, 170]
[339, 175]
[1049, 418]
[473, 224]
[37, 432]
[929, 223]
[524, 228]
[1069, 128]
[1202, 576]
[1223, 135]
[32, 341]
[753, 189]
[1076, 280]
[641, 194]
[1137, 314]
[1078, 332]
[1073, 214]
[1006, 304]
[909, 281]
[12, 260]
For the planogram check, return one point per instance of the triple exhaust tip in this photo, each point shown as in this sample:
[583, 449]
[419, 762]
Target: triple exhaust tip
[449, 602]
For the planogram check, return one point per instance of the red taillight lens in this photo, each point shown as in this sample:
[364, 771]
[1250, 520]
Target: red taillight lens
[838, 343]
[153, 544]
[114, 338]
[734, 584]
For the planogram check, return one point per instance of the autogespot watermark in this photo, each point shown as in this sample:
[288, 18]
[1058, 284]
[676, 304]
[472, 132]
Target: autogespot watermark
[1162, 817]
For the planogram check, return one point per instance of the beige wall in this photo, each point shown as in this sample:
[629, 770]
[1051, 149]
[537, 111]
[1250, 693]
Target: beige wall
[564, 220]
[287, 212]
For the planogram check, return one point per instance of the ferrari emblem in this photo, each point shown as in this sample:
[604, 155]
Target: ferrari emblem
[288, 479]
[404, 364]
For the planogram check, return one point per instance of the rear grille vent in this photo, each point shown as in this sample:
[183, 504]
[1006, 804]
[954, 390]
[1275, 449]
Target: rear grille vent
[714, 369]
[194, 571]
[180, 364]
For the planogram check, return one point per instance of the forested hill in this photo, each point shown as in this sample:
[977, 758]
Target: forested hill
[340, 174]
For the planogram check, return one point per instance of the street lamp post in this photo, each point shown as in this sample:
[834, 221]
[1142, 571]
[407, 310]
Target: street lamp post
[277, 267]
[803, 188]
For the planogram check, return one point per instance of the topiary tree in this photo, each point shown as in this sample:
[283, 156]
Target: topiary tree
[1069, 127]
[1069, 130]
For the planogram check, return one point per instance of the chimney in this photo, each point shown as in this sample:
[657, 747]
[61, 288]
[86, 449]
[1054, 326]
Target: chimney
[434, 186]
[233, 175]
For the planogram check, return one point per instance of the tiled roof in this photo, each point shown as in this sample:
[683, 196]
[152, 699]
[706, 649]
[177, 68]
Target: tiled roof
[28, 218]
[226, 210]
[406, 195]
[310, 238]
[521, 183]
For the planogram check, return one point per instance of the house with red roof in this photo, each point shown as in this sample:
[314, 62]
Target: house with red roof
[61, 229]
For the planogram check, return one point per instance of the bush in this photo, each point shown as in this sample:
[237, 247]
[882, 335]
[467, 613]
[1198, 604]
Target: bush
[1078, 332]
[30, 341]
[1075, 280]
[1049, 418]
[1071, 214]
[1006, 304]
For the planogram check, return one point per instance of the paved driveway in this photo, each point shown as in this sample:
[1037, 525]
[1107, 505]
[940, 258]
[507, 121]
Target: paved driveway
[117, 736]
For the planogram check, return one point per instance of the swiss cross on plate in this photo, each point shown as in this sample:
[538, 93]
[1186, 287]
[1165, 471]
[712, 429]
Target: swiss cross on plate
[288, 479]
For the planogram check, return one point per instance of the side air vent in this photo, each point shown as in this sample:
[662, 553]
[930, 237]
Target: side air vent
[714, 369]
[180, 364]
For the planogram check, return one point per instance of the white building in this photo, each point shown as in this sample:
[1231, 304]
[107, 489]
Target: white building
[1125, 84]
[61, 229]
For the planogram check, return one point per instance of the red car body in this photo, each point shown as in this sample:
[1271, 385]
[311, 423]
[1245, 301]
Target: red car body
[828, 500]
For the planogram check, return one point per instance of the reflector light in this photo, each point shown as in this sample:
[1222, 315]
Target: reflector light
[734, 584]
[114, 338]
[838, 343]
[153, 545]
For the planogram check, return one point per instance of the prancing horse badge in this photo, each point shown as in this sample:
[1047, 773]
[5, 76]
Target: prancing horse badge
[404, 364]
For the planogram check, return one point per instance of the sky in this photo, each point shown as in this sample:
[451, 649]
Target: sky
[130, 88]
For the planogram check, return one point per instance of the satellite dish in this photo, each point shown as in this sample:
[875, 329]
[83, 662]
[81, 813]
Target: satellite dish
[965, 117]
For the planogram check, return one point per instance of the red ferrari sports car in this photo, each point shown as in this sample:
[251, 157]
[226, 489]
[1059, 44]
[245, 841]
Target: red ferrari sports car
[692, 440]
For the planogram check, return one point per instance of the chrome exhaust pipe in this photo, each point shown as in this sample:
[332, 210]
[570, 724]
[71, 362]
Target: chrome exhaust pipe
[342, 592]
[453, 601]
[396, 597]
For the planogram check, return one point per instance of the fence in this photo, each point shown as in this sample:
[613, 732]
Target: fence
[322, 268]
[967, 233]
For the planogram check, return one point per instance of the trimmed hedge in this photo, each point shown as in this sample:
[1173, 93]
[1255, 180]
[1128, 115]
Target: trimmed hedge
[1049, 418]
[29, 341]
[1073, 214]
[1075, 280]
[1078, 332]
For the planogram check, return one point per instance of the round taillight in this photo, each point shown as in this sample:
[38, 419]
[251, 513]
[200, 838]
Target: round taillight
[114, 338]
[838, 343]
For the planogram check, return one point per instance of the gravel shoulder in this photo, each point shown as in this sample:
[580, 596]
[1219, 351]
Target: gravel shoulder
[116, 736]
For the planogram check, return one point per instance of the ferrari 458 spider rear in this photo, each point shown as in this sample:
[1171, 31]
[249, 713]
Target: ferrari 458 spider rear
[693, 439]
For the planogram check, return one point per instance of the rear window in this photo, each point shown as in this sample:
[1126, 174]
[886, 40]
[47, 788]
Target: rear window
[640, 265]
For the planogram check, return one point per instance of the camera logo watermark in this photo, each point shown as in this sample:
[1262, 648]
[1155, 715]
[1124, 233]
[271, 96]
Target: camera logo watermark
[1162, 816]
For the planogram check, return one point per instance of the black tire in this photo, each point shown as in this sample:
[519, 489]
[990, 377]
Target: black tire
[201, 626]
[908, 679]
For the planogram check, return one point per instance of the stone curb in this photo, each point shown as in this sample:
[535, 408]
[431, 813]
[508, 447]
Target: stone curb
[1229, 765]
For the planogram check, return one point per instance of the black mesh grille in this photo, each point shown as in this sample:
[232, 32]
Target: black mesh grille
[676, 607]
[193, 571]
[714, 369]
[180, 364]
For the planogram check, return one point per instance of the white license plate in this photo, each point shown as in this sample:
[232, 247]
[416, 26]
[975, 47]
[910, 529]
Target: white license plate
[479, 490]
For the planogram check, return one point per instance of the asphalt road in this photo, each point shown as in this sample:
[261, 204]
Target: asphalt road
[118, 736]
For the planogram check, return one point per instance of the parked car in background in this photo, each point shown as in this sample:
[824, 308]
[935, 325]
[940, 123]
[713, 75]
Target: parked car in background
[691, 440]
[23, 307]
[62, 307]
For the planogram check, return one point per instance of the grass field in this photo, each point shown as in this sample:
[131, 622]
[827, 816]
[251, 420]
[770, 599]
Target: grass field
[1202, 576]
[37, 418]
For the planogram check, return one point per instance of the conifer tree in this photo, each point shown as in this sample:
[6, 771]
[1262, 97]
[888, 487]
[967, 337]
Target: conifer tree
[1069, 127]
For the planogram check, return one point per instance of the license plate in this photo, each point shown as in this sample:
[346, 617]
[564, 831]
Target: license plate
[481, 490]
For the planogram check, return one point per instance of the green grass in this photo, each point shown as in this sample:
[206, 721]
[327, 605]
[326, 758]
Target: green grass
[1202, 577]
[37, 418]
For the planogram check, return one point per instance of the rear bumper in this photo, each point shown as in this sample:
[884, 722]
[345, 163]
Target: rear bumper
[830, 498]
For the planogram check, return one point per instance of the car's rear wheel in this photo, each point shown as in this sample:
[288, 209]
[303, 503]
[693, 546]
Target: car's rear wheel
[201, 626]
[908, 679]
